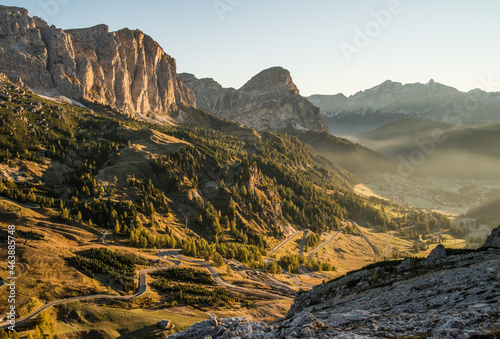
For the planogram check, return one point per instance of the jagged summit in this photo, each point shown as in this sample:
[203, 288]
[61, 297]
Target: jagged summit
[271, 79]
[126, 69]
[98, 29]
[268, 101]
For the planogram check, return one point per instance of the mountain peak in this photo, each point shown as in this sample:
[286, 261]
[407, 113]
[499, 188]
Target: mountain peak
[268, 101]
[271, 79]
[388, 84]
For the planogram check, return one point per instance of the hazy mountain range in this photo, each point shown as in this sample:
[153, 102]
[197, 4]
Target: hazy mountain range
[393, 101]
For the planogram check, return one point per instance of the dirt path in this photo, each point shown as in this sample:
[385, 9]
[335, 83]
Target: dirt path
[389, 247]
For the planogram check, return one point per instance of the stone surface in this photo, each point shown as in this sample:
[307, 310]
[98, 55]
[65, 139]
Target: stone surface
[125, 69]
[214, 320]
[493, 239]
[438, 253]
[268, 101]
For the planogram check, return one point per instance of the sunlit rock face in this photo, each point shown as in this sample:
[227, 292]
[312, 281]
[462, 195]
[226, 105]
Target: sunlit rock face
[125, 69]
[269, 101]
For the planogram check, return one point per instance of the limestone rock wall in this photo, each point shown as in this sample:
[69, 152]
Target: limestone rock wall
[125, 69]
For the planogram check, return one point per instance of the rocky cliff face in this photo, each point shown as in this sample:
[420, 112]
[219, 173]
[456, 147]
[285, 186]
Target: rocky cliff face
[207, 91]
[125, 69]
[269, 101]
[393, 101]
[443, 296]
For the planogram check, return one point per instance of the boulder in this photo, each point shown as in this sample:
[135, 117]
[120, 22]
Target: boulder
[438, 253]
[493, 239]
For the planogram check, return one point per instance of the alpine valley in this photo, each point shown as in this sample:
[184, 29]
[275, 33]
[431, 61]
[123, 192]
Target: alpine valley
[141, 203]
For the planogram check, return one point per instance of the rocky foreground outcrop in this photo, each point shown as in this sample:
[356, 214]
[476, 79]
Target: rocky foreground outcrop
[269, 101]
[125, 69]
[445, 296]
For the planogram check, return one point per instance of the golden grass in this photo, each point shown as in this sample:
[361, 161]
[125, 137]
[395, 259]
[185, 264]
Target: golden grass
[346, 253]
[366, 191]
[110, 322]
[48, 276]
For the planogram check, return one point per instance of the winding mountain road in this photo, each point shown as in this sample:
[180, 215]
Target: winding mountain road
[326, 243]
[143, 287]
[298, 282]
[389, 247]
[218, 279]
[284, 243]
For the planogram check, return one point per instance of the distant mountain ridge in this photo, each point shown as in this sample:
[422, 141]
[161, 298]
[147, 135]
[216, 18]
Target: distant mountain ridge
[269, 101]
[394, 101]
[126, 69]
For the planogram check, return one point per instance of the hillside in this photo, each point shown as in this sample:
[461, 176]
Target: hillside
[186, 163]
[449, 294]
[487, 212]
[137, 202]
[222, 194]
[392, 101]
[218, 192]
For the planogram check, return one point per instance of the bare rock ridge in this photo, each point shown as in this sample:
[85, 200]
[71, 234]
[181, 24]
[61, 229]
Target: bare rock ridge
[207, 91]
[447, 295]
[125, 69]
[268, 101]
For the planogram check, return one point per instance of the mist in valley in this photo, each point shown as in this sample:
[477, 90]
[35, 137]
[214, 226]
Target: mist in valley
[442, 166]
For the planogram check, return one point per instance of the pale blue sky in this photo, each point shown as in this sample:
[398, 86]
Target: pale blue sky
[455, 42]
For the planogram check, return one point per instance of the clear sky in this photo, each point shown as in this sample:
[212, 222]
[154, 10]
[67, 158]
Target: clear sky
[329, 46]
